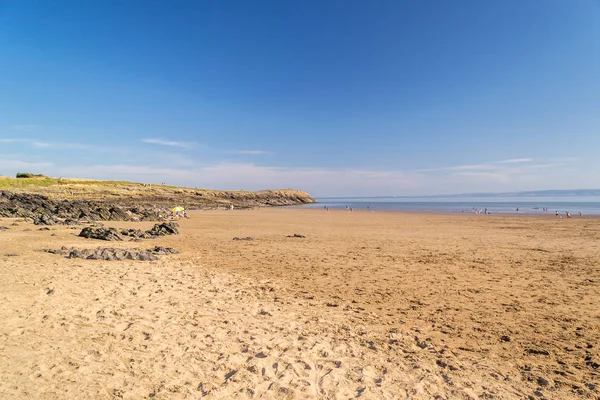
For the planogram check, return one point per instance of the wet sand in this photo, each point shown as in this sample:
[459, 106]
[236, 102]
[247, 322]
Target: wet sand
[367, 305]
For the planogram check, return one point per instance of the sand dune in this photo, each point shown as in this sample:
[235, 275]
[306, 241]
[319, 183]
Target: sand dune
[367, 305]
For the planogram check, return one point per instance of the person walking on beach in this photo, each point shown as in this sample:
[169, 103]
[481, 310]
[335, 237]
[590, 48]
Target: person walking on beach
[568, 214]
[557, 213]
[580, 214]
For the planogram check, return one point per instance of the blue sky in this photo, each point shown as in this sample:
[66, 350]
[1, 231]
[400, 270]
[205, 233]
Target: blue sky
[339, 98]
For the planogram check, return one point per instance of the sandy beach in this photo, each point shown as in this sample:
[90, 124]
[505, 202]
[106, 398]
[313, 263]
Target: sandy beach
[366, 305]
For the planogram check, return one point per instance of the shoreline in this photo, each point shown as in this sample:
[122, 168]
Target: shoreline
[455, 213]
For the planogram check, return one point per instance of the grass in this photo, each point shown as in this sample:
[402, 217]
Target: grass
[72, 188]
[6, 182]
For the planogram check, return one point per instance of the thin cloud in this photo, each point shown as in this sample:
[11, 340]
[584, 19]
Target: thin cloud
[163, 142]
[515, 161]
[459, 168]
[33, 142]
[251, 152]
[484, 175]
[58, 145]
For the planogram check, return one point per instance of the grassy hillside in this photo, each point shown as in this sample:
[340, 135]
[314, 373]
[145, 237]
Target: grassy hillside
[71, 188]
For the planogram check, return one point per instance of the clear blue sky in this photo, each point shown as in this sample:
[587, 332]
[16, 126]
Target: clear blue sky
[333, 97]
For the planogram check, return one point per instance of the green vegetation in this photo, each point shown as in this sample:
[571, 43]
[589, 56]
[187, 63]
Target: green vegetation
[22, 175]
[77, 188]
[26, 182]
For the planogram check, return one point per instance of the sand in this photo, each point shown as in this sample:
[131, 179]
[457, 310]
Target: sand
[367, 305]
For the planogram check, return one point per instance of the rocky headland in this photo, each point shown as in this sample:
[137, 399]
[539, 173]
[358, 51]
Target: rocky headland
[49, 201]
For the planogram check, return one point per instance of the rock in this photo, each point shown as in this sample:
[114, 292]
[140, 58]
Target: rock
[135, 233]
[45, 211]
[44, 219]
[166, 228]
[245, 238]
[44, 229]
[505, 338]
[10, 255]
[59, 251]
[111, 254]
[164, 250]
[109, 234]
[542, 381]
[4, 228]
[147, 256]
[117, 214]
[76, 254]
[296, 235]
[537, 352]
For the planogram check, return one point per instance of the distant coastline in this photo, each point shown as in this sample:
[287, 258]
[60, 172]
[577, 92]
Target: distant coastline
[530, 193]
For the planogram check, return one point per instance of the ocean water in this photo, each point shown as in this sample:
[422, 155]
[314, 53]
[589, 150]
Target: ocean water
[587, 205]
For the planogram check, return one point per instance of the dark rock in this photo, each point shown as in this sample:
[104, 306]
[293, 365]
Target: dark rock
[296, 235]
[44, 219]
[117, 214]
[61, 251]
[14, 224]
[147, 256]
[244, 238]
[164, 250]
[111, 254]
[54, 234]
[136, 233]
[44, 229]
[109, 234]
[45, 211]
[76, 254]
[505, 338]
[542, 381]
[537, 352]
[10, 255]
[166, 228]
[4, 228]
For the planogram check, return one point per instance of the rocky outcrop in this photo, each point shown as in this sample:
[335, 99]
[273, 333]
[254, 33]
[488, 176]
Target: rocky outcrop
[45, 210]
[111, 254]
[110, 234]
[164, 229]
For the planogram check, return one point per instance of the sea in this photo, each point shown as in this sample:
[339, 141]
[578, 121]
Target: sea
[535, 205]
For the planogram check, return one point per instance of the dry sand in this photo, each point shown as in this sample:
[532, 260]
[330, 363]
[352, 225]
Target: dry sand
[371, 305]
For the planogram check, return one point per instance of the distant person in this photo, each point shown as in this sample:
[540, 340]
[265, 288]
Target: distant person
[580, 214]
[568, 214]
[485, 211]
[557, 213]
